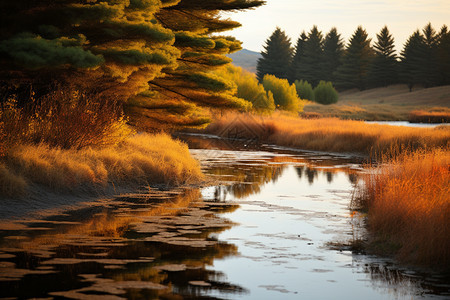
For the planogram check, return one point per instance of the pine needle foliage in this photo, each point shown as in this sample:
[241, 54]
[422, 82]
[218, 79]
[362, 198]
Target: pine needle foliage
[276, 57]
[352, 73]
[384, 68]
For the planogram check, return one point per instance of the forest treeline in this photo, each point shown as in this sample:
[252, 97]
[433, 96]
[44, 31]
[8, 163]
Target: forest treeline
[361, 63]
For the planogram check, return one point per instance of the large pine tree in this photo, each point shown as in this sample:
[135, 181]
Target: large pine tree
[384, 67]
[411, 69]
[429, 62]
[355, 62]
[333, 48]
[443, 56]
[294, 70]
[311, 63]
[116, 47]
[276, 57]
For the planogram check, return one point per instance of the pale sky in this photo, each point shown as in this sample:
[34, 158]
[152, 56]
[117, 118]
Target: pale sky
[402, 17]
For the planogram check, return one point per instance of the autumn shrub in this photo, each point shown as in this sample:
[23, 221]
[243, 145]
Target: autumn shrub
[249, 88]
[407, 199]
[325, 93]
[304, 90]
[284, 94]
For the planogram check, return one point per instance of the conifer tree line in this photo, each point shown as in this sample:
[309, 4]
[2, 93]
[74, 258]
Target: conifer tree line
[154, 56]
[360, 63]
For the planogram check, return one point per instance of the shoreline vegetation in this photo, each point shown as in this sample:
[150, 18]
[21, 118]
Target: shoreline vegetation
[139, 160]
[407, 203]
[328, 134]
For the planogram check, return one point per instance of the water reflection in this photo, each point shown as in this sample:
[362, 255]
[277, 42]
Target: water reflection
[141, 246]
[329, 177]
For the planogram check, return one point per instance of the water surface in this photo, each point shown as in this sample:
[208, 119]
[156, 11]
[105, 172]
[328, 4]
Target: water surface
[408, 124]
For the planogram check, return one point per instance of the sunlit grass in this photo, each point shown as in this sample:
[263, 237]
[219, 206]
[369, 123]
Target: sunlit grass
[329, 134]
[408, 205]
[422, 116]
[142, 159]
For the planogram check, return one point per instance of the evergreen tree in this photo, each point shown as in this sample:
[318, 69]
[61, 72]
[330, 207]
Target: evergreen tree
[443, 56]
[276, 57]
[310, 65]
[114, 48]
[192, 87]
[429, 59]
[333, 48]
[383, 70]
[355, 62]
[411, 60]
[294, 71]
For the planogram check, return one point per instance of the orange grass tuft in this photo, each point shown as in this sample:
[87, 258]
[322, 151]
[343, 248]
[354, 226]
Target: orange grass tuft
[408, 204]
[328, 134]
[421, 116]
[141, 159]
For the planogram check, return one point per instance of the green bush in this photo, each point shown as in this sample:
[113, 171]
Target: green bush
[325, 93]
[248, 88]
[285, 95]
[304, 90]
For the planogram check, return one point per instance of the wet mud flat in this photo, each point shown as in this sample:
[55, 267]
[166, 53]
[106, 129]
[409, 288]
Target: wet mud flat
[273, 224]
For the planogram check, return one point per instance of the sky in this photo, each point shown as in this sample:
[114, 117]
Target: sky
[402, 17]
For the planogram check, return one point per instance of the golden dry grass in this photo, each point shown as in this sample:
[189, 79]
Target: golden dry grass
[388, 103]
[408, 204]
[328, 134]
[65, 118]
[141, 159]
[441, 115]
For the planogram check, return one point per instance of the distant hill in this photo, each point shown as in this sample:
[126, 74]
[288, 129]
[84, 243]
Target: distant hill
[246, 59]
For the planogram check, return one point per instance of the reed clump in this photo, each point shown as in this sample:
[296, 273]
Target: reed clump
[141, 159]
[422, 116]
[328, 134]
[65, 118]
[407, 199]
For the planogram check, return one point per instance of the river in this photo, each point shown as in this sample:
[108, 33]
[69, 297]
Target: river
[272, 224]
[408, 124]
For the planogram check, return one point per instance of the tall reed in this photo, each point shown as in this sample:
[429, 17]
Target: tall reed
[141, 159]
[422, 116]
[407, 199]
[328, 134]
